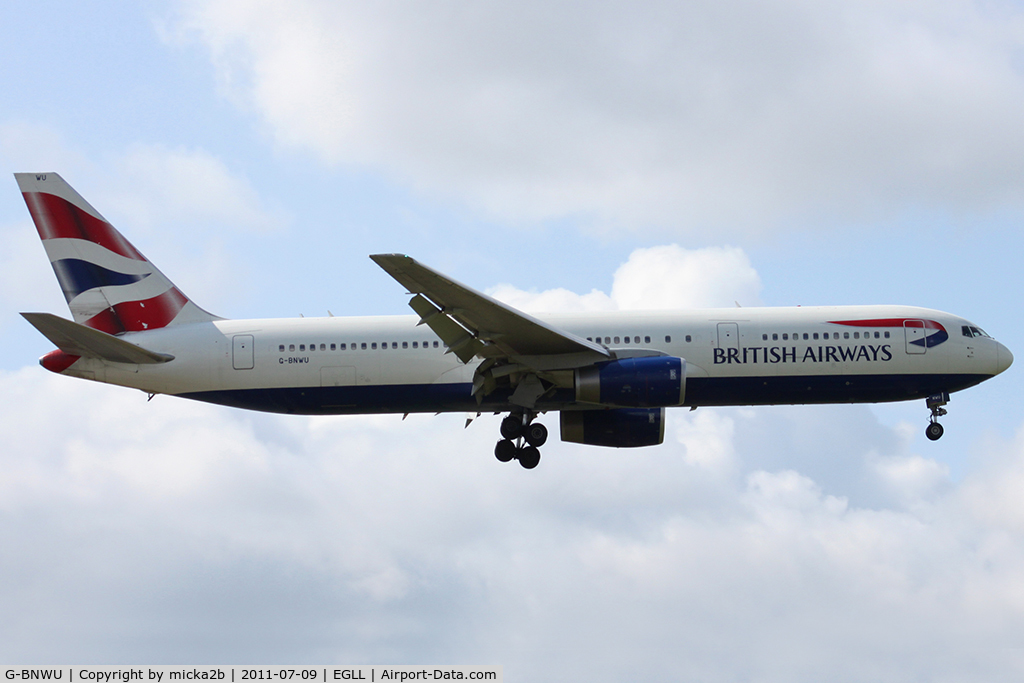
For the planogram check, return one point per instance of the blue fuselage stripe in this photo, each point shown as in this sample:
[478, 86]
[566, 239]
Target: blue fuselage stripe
[700, 391]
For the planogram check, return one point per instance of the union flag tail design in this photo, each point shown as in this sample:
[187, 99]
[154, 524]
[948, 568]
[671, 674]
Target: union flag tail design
[108, 284]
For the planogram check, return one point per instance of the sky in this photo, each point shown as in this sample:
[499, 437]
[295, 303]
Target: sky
[561, 156]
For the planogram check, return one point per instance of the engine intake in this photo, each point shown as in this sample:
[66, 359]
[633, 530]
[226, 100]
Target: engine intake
[617, 428]
[633, 382]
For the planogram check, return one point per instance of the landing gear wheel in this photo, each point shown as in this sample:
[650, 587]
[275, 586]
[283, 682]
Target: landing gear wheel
[536, 434]
[512, 427]
[505, 450]
[935, 402]
[529, 457]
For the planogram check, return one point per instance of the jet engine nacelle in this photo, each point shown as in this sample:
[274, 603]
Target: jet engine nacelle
[647, 382]
[617, 428]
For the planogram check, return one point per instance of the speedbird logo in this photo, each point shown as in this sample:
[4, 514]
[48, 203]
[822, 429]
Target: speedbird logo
[920, 332]
[108, 284]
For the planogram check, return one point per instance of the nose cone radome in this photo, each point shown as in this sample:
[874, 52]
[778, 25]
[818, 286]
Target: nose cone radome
[1004, 358]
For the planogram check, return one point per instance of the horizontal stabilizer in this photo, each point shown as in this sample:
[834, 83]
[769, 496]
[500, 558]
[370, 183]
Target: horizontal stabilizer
[79, 340]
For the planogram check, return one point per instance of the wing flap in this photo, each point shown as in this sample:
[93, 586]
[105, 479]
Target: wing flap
[457, 338]
[79, 340]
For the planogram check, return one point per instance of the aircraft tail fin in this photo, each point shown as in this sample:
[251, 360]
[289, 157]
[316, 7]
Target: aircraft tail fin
[109, 285]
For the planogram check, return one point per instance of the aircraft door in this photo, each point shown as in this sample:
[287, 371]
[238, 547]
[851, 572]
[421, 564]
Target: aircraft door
[915, 332]
[728, 336]
[241, 352]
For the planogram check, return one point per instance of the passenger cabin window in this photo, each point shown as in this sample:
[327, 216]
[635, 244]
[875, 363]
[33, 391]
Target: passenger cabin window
[302, 347]
[785, 336]
[281, 348]
[775, 336]
[291, 347]
[647, 340]
[805, 336]
[815, 335]
[846, 335]
[689, 339]
[668, 339]
[636, 340]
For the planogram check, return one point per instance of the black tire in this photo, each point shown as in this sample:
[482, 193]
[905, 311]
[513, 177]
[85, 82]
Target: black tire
[505, 450]
[529, 457]
[512, 427]
[536, 434]
[933, 431]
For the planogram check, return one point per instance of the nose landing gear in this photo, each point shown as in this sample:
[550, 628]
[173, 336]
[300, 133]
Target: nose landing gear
[521, 439]
[935, 402]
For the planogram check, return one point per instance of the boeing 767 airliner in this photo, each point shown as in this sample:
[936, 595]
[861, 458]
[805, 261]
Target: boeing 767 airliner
[609, 375]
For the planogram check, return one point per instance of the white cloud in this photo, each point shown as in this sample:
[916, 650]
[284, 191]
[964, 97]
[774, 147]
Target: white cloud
[153, 186]
[372, 538]
[707, 440]
[735, 116]
[671, 277]
[665, 277]
[187, 187]
[561, 300]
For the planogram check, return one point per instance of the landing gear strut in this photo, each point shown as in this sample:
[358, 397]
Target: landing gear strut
[521, 439]
[935, 402]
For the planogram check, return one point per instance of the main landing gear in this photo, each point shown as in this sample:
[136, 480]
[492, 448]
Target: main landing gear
[935, 402]
[522, 439]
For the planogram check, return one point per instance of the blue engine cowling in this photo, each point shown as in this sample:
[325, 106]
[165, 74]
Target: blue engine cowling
[647, 382]
[617, 428]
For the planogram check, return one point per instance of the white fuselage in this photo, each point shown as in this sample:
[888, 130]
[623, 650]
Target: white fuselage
[736, 356]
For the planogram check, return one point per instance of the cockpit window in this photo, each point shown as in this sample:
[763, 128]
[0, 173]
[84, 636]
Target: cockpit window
[972, 331]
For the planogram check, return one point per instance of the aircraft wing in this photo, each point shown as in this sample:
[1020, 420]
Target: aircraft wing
[473, 324]
[78, 340]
